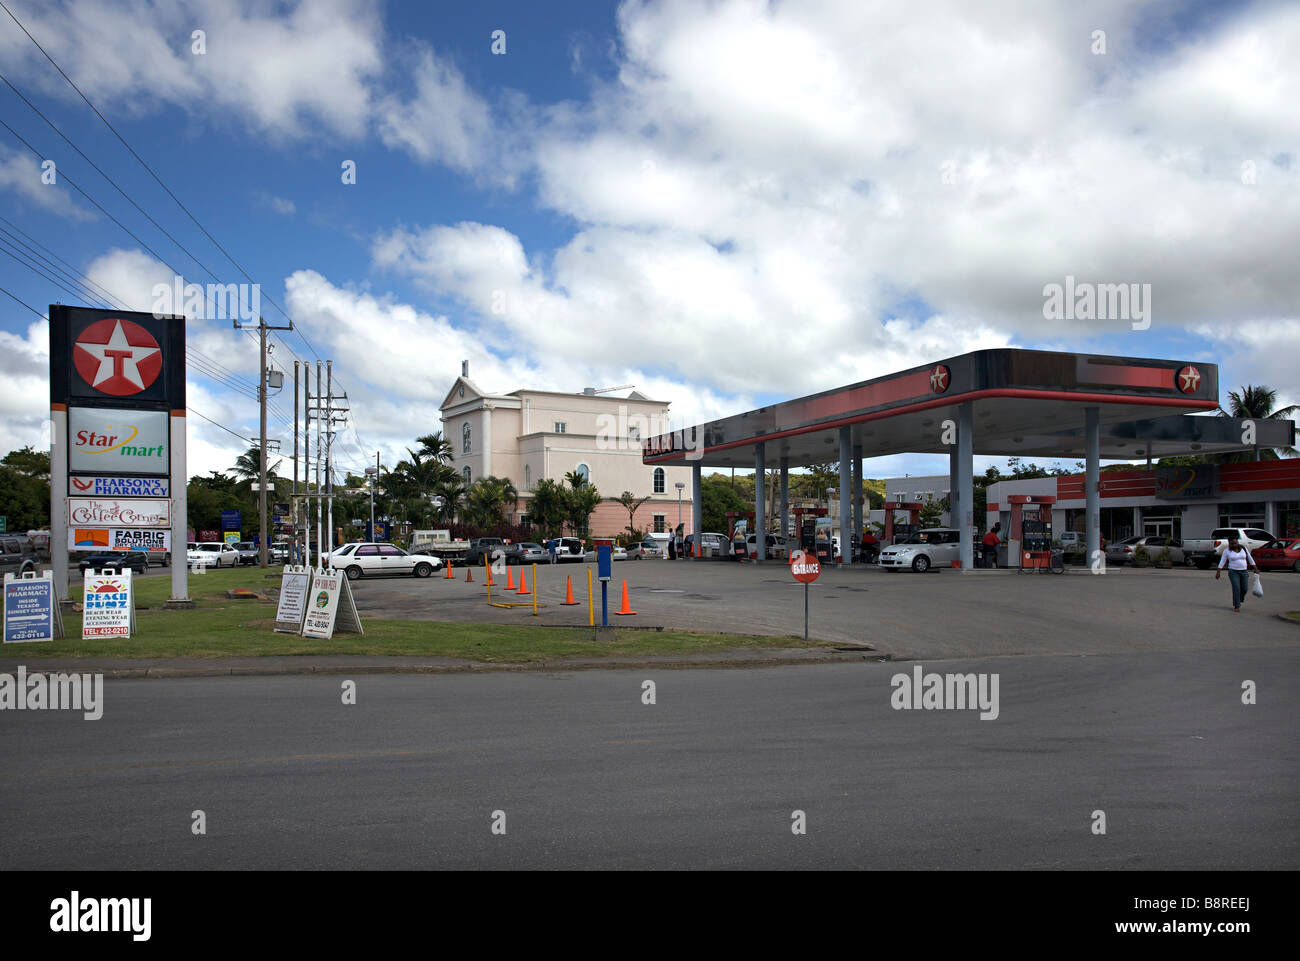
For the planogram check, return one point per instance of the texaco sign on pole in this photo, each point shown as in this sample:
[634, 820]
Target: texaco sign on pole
[119, 376]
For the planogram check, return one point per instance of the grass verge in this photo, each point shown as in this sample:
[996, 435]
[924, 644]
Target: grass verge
[221, 627]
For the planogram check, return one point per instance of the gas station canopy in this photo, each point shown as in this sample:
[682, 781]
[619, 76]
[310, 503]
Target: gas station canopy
[1026, 403]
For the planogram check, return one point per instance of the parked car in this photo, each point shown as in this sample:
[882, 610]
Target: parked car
[248, 553]
[481, 550]
[935, 546]
[1205, 551]
[212, 554]
[278, 552]
[620, 554]
[571, 550]
[1122, 552]
[777, 546]
[18, 555]
[374, 558]
[526, 552]
[652, 545]
[137, 561]
[1279, 554]
[714, 545]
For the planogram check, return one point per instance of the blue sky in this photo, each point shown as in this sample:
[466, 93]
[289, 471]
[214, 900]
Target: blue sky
[723, 203]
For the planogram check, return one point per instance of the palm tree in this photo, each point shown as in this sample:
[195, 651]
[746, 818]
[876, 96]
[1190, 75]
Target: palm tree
[488, 499]
[435, 447]
[1256, 403]
[249, 465]
[631, 503]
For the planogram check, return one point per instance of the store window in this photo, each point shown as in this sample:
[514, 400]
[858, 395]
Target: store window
[584, 472]
[465, 474]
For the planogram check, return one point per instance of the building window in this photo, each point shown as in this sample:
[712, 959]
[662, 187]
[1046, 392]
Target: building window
[528, 477]
[634, 434]
[659, 480]
[465, 474]
[660, 524]
[464, 438]
[583, 471]
[560, 427]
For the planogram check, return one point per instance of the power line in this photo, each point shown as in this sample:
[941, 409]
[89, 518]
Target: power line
[24, 303]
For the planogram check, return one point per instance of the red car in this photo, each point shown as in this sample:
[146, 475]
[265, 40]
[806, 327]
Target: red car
[1280, 553]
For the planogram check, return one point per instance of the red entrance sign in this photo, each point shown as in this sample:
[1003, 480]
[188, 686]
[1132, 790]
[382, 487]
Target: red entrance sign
[805, 568]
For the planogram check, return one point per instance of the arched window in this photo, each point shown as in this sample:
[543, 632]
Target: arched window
[583, 471]
[464, 438]
[465, 472]
[659, 480]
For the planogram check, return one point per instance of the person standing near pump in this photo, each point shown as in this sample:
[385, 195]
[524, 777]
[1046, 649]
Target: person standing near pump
[672, 546]
[990, 544]
[1240, 566]
[870, 546]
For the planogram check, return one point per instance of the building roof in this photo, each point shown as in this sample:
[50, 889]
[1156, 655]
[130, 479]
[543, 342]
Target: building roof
[1025, 402]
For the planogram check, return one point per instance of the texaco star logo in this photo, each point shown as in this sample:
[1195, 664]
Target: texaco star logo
[118, 357]
[939, 379]
[1189, 378]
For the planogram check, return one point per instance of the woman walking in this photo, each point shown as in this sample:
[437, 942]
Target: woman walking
[1240, 566]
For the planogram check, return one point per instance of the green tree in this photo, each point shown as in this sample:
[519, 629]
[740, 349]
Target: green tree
[631, 503]
[932, 511]
[488, 499]
[25, 489]
[207, 497]
[580, 500]
[547, 508]
[717, 496]
[1255, 402]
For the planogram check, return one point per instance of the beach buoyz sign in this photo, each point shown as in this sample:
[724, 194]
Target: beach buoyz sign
[120, 512]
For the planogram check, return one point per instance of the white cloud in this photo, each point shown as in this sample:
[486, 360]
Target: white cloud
[285, 75]
[22, 173]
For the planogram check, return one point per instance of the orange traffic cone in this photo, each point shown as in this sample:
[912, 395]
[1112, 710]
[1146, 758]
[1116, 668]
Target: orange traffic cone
[523, 585]
[510, 579]
[469, 575]
[449, 577]
[626, 608]
[568, 593]
[490, 582]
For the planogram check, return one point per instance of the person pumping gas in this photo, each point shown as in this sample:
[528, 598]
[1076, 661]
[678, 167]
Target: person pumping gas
[989, 546]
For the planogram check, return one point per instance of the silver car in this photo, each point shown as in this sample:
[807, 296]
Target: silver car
[936, 546]
[1122, 553]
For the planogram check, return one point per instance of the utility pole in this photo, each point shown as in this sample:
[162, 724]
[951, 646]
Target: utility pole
[262, 328]
[293, 501]
[373, 481]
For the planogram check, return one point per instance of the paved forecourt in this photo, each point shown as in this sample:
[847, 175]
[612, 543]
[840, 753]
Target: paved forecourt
[939, 614]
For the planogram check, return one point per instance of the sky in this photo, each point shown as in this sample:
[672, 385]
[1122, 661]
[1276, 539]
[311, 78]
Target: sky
[725, 204]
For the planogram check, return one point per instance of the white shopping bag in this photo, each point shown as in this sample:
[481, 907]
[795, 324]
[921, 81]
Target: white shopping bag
[1256, 587]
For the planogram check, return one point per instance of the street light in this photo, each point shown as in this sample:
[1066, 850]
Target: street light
[680, 487]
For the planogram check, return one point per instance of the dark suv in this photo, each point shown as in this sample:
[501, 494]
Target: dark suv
[17, 554]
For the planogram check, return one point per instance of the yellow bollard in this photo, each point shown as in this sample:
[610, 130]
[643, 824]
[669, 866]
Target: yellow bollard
[591, 610]
[536, 590]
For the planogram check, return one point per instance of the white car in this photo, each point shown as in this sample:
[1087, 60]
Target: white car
[620, 554]
[935, 546]
[777, 546]
[212, 554]
[374, 559]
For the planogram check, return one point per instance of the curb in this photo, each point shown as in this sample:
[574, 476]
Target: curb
[825, 656]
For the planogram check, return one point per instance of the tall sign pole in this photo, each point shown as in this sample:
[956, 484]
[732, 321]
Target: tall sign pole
[293, 500]
[117, 438]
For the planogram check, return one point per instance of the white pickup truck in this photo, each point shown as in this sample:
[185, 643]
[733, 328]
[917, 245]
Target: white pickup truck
[1205, 551]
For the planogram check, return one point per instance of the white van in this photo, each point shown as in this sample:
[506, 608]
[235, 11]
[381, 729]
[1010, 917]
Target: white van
[660, 542]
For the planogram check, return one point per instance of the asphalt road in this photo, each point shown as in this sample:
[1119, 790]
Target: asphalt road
[707, 777]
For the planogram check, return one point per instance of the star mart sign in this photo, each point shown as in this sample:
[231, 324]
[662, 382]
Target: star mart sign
[121, 441]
